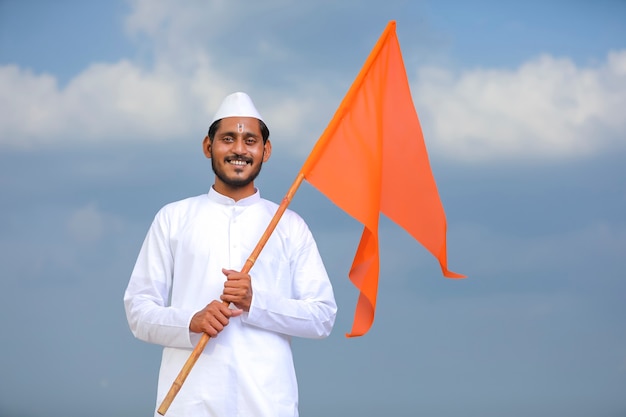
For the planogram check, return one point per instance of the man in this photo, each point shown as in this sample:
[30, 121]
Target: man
[187, 272]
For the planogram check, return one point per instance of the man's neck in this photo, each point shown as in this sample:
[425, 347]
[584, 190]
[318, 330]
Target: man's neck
[236, 193]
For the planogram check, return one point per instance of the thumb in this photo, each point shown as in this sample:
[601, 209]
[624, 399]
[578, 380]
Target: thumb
[227, 272]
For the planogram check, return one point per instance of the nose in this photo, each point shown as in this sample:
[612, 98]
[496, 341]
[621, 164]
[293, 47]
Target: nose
[239, 146]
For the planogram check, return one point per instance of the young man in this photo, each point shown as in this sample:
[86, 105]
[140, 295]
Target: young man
[188, 267]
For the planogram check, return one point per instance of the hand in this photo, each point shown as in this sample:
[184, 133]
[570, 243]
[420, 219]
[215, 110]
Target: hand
[213, 318]
[237, 289]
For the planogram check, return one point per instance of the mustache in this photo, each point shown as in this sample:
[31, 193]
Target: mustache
[236, 157]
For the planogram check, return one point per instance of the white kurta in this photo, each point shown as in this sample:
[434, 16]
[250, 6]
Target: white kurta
[247, 370]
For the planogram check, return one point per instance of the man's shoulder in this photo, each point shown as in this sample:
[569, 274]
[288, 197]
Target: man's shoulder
[184, 204]
[289, 217]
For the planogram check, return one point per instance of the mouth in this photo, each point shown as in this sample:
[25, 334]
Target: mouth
[238, 162]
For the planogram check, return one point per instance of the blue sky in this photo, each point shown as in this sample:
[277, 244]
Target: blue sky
[103, 106]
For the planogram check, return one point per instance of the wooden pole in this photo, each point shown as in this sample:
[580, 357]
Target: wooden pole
[197, 351]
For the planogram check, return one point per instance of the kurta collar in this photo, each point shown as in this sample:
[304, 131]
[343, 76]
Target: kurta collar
[227, 201]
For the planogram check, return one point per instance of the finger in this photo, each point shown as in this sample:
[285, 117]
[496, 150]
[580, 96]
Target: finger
[235, 275]
[228, 272]
[226, 310]
[237, 282]
[235, 288]
[228, 297]
[212, 327]
[210, 331]
[218, 322]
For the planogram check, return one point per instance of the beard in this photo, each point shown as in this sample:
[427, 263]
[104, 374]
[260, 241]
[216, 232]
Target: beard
[238, 181]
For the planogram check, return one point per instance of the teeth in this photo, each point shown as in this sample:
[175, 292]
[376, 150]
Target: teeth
[238, 162]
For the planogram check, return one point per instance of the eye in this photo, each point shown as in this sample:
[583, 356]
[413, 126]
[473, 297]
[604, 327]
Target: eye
[250, 141]
[227, 139]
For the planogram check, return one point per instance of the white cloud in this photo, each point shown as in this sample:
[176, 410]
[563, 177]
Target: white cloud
[546, 108]
[105, 102]
[88, 224]
[121, 101]
[190, 56]
[172, 98]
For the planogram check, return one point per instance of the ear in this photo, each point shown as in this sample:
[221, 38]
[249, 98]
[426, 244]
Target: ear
[206, 147]
[267, 150]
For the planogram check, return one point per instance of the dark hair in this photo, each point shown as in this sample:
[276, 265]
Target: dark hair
[265, 132]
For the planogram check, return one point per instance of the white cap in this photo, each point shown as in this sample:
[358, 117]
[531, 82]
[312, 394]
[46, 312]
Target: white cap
[237, 105]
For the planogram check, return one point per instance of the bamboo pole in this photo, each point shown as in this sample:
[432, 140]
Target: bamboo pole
[197, 351]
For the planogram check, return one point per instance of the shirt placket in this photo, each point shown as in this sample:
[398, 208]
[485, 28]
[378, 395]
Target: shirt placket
[234, 238]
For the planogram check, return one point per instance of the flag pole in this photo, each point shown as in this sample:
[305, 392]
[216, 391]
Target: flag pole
[197, 351]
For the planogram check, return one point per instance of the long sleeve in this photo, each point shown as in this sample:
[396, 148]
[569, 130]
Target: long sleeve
[146, 299]
[304, 304]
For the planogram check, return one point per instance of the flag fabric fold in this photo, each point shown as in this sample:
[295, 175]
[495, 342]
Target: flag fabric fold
[371, 159]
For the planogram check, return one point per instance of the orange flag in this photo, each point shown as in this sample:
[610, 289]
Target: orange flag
[372, 158]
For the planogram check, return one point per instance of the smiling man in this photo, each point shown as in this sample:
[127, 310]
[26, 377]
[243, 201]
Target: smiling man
[186, 282]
